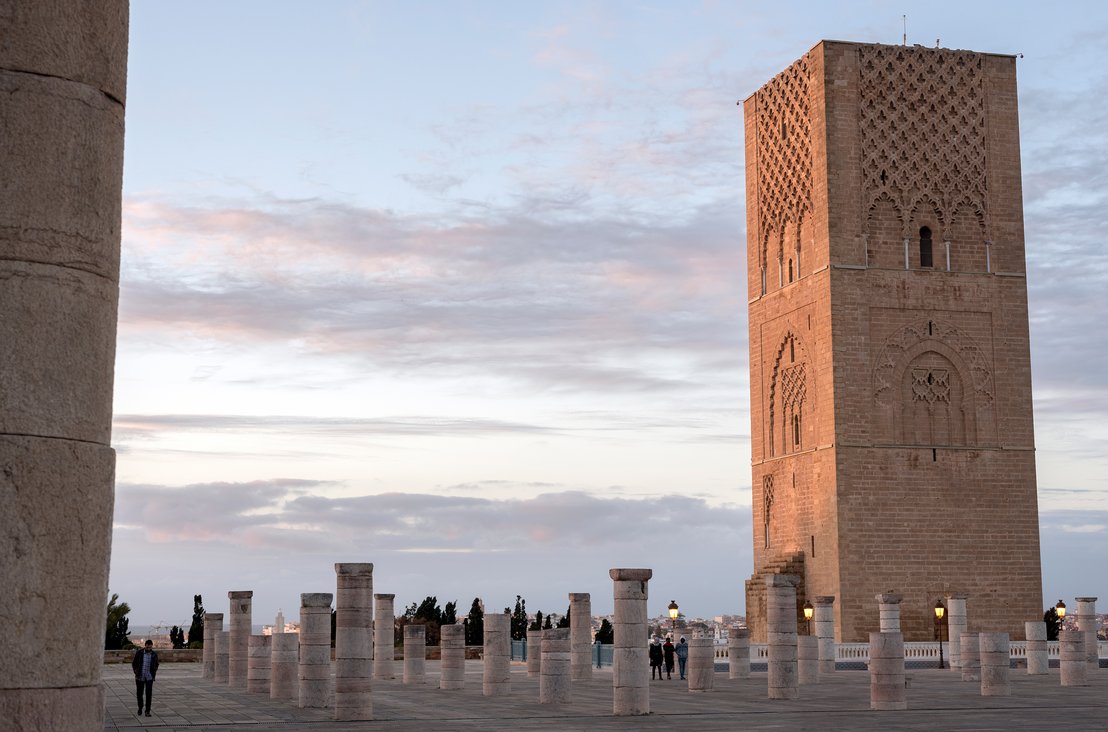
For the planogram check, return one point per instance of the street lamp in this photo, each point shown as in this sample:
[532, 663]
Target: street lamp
[1060, 610]
[809, 611]
[940, 612]
[673, 615]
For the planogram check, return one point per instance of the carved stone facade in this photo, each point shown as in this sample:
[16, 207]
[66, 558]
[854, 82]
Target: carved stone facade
[892, 440]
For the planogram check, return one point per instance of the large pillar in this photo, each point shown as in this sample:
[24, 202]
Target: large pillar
[213, 623]
[580, 634]
[452, 640]
[1086, 623]
[415, 652]
[534, 653]
[630, 664]
[222, 656]
[738, 653]
[995, 660]
[1038, 660]
[259, 663]
[807, 659]
[889, 608]
[956, 624]
[239, 649]
[971, 657]
[353, 641]
[1072, 664]
[825, 631]
[557, 660]
[781, 630]
[314, 672]
[886, 672]
[284, 666]
[497, 654]
[384, 636]
[701, 669]
[63, 70]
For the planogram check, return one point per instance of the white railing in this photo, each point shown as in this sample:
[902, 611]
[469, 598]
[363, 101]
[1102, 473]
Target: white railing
[859, 652]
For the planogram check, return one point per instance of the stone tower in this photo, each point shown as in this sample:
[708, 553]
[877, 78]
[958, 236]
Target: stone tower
[890, 375]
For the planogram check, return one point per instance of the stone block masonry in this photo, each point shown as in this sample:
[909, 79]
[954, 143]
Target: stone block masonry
[630, 665]
[353, 641]
[314, 671]
[239, 645]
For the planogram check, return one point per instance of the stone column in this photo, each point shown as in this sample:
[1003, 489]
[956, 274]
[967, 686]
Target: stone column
[534, 653]
[222, 656]
[701, 670]
[63, 74]
[956, 624]
[258, 664]
[971, 657]
[889, 608]
[886, 672]
[1038, 661]
[630, 663]
[353, 641]
[807, 659]
[497, 654]
[781, 634]
[284, 666]
[384, 636]
[241, 622]
[738, 653]
[1072, 664]
[995, 659]
[452, 641]
[415, 652]
[825, 632]
[314, 672]
[580, 634]
[213, 623]
[1086, 623]
[558, 657]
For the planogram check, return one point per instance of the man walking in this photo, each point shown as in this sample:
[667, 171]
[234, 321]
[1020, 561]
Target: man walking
[145, 666]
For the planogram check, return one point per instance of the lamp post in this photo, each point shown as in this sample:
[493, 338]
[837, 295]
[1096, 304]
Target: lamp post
[673, 616]
[940, 613]
[1060, 613]
[809, 611]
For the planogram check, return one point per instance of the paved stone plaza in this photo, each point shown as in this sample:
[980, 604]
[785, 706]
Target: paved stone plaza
[937, 701]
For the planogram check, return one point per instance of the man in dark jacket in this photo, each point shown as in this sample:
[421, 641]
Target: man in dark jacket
[667, 653]
[145, 666]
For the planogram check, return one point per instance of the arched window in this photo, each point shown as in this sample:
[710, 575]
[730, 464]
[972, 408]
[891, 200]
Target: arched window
[796, 430]
[925, 258]
[790, 270]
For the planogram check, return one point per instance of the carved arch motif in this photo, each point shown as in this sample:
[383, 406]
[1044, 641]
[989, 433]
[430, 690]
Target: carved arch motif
[791, 412]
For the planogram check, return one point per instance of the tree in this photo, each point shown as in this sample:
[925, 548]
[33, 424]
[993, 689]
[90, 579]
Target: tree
[196, 630]
[537, 625]
[546, 623]
[1053, 624]
[334, 626]
[115, 636]
[430, 614]
[177, 636]
[563, 622]
[519, 619]
[475, 624]
[450, 613]
[607, 633]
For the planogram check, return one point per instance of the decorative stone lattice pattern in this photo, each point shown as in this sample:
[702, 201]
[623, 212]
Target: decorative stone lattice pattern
[922, 122]
[895, 353]
[931, 385]
[784, 154]
[788, 387]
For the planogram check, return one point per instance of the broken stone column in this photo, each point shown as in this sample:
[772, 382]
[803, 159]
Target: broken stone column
[353, 641]
[1038, 660]
[995, 660]
[415, 652]
[314, 672]
[222, 656]
[807, 659]
[825, 632]
[580, 634]
[886, 672]
[557, 662]
[384, 636]
[889, 608]
[971, 657]
[241, 621]
[258, 664]
[213, 623]
[452, 641]
[1072, 664]
[630, 664]
[534, 653]
[284, 666]
[63, 73]
[701, 668]
[956, 624]
[1086, 623]
[781, 634]
[497, 655]
[738, 653]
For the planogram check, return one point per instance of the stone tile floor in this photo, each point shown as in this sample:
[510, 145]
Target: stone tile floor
[938, 701]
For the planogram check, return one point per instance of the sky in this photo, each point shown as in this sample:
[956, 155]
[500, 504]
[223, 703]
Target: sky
[459, 289]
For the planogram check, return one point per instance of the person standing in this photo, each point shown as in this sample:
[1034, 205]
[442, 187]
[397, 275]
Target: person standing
[145, 666]
[667, 653]
[682, 655]
[655, 654]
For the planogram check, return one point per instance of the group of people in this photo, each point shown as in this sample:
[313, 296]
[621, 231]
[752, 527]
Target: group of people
[666, 653]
